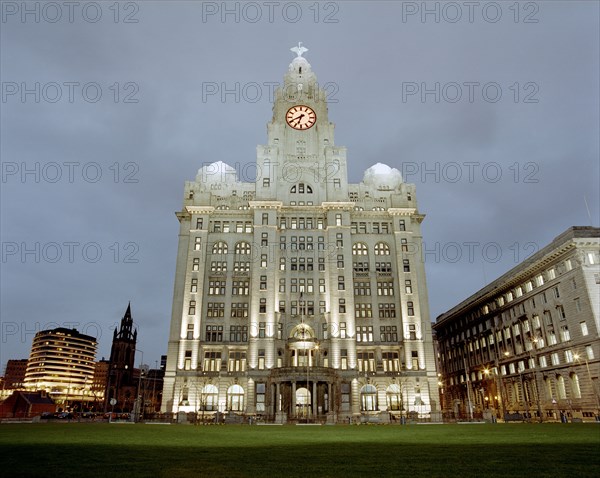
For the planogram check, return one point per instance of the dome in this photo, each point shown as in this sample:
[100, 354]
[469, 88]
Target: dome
[217, 172]
[382, 176]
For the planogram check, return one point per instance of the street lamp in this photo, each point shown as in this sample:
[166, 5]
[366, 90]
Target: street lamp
[138, 408]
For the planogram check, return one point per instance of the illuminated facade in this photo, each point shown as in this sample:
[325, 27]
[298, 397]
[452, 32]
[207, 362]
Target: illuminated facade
[296, 296]
[62, 363]
[527, 345]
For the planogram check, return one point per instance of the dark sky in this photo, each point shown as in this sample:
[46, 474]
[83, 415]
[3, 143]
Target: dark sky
[493, 115]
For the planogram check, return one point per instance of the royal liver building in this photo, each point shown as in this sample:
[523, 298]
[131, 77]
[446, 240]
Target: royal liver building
[298, 296]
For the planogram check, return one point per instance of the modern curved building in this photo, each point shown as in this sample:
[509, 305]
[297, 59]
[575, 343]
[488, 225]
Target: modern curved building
[62, 363]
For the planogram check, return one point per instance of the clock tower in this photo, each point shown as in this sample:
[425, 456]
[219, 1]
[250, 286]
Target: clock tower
[300, 145]
[299, 297]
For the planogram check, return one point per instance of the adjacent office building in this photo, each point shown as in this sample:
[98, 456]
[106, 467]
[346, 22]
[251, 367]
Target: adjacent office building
[527, 345]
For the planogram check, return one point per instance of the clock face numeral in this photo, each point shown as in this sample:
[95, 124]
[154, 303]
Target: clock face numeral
[301, 117]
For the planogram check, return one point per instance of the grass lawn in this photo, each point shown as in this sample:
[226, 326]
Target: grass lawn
[101, 449]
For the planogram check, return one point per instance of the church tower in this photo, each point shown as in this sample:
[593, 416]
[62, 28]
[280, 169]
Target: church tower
[121, 383]
[300, 297]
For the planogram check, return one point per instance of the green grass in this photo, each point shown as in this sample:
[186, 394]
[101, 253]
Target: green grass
[99, 449]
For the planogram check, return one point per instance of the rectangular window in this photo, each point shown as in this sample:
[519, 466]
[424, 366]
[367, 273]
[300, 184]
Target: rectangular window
[240, 287]
[238, 333]
[187, 365]
[343, 334]
[342, 306]
[266, 182]
[237, 362]
[212, 361]
[239, 310]
[190, 332]
[261, 359]
[262, 307]
[344, 362]
[194, 286]
[263, 283]
[408, 286]
[565, 335]
[265, 218]
[391, 363]
[388, 333]
[385, 288]
[584, 328]
[215, 310]
[262, 327]
[387, 311]
[363, 311]
[402, 225]
[214, 333]
[410, 308]
[196, 264]
[198, 244]
[364, 333]
[554, 359]
[341, 283]
[366, 361]
[192, 307]
[405, 265]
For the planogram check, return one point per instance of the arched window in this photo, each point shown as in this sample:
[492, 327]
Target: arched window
[209, 398]
[549, 391]
[235, 398]
[560, 386]
[575, 385]
[301, 188]
[382, 249]
[394, 397]
[242, 248]
[360, 249]
[219, 247]
[368, 398]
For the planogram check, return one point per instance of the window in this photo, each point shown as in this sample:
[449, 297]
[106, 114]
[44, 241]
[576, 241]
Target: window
[261, 359]
[391, 363]
[561, 312]
[198, 244]
[368, 398]
[415, 360]
[240, 287]
[212, 361]
[382, 249]
[565, 335]
[408, 286]
[554, 359]
[366, 361]
[242, 248]
[238, 333]
[265, 219]
[344, 363]
[342, 306]
[589, 352]
[412, 332]
[321, 286]
[402, 225]
[339, 240]
[239, 310]
[568, 356]
[341, 283]
[385, 288]
[394, 397]
[216, 287]
[263, 260]
[340, 261]
[214, 333]
[215, 309]
[196, 264]
[261, 390]
[190, 332]
[235, 398]
[388, 333]
[405, 265]
[266, 182]
[410, 308]
[584, 328]
[338, 219]
[194, 286]
[337, 183]
[362, 288]
[577, 304]
[360, 249]
[219, 247]
[192, 307]
[560, 387]
[218, 266]
[547, 317]
[239, 266]
[364, 333]
[363, 311]
[343, 333]
[208, 398]
[387, 311]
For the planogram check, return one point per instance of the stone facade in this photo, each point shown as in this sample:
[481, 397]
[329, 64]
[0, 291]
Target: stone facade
[527, 345]
[298, 296]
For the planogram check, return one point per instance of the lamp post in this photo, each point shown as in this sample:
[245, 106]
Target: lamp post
[138, 408]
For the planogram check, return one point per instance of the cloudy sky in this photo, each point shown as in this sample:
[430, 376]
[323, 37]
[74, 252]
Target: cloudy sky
[491, 110]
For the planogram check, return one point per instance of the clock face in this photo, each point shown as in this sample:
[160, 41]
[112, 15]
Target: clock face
[301, 117]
